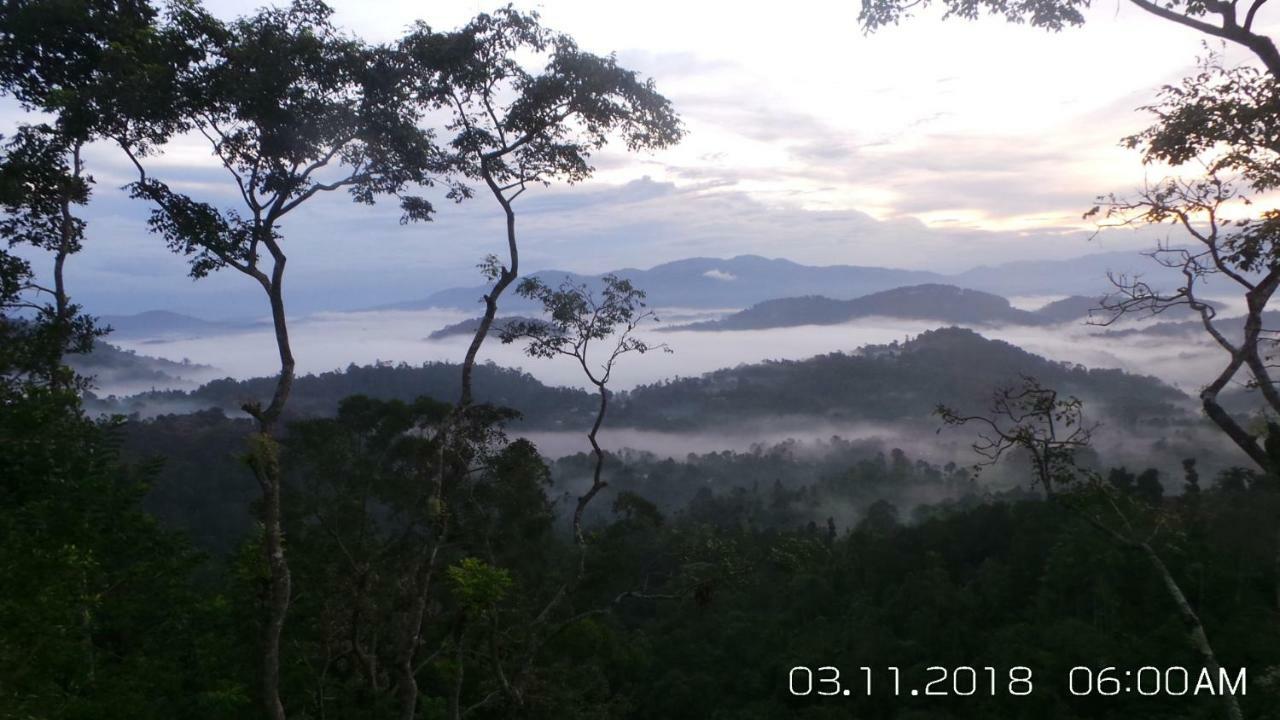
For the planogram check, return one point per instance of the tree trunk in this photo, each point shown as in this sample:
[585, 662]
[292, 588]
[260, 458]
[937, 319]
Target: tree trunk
[264, 459]
[596, 484]
[505, 278]
[1195, 630]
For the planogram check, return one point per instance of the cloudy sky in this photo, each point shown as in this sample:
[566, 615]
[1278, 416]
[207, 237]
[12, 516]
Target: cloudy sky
[930, 145]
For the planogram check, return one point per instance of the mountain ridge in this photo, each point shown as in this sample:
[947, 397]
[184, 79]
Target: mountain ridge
[745, 280]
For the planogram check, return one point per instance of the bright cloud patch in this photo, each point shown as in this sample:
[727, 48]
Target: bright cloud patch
[720, 275]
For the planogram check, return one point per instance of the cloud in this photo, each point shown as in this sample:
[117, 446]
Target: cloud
[720, 275]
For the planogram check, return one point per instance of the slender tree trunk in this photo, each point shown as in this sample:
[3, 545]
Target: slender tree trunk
[264, 459]
[61, 300]
[507, 276]
[1195, 629]
[1196, 634]
[596, 483]
[407, 683]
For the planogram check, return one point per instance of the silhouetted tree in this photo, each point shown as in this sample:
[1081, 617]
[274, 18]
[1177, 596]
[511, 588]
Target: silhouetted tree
[575, 320]
[94, 69]
[292, 108]
[1053, 430]
[1226, 19]
[1220, 118]
[38, 189]
[516, 127]
[513, 127]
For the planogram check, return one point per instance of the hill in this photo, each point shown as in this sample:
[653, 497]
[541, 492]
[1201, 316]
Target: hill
[115, 369]
[899, 381]
[318, 394]
[469, 326]
[927, 302]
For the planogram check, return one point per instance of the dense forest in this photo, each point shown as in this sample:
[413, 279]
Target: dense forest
[386, 541]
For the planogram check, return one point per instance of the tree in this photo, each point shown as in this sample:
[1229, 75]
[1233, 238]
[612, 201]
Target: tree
[576, 319]
[94, 68]
[38, 189]
[515, 128]
[512, 127]
[1225, 19]
[291, 108]
[1219, 119]
[1052, 431]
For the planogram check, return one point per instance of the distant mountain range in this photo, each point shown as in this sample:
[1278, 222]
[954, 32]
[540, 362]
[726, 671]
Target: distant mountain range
[746, 280]
[741, 282]
[166, 325]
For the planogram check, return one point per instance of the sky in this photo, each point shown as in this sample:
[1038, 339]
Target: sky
[930, 145]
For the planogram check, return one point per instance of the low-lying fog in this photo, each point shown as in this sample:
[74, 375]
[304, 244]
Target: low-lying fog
[333, 340]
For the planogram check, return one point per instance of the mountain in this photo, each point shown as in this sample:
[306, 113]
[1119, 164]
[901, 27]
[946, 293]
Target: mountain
[162, 324]
[933, 302]
[746, 280]
[1074, 307]
[900, 381]
[116, 370]
[1085, 275]
[470, 325]
[711, 283]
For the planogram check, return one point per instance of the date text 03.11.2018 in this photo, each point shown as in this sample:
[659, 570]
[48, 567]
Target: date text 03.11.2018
[962, 681]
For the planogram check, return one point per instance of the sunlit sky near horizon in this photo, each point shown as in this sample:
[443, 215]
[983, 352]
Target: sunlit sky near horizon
[931, 145]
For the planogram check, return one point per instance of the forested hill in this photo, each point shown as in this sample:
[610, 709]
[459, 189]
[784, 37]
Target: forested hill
[953, 366]
[886, 382]
[110, 364]
[929, 302]
[319, 394]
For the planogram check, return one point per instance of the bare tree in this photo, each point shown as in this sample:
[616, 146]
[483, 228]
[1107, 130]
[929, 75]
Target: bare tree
[1052, 430]
[577, 320]
[1201, 208]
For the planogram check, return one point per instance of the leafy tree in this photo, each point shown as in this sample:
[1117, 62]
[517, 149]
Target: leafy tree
[94, 68]
[514, 127]
[291, 108]
[99, 612]
[38, 189]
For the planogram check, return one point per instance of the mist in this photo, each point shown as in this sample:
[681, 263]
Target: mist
[330, 341]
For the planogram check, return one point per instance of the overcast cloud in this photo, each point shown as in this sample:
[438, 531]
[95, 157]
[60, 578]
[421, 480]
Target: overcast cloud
[931, 145]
